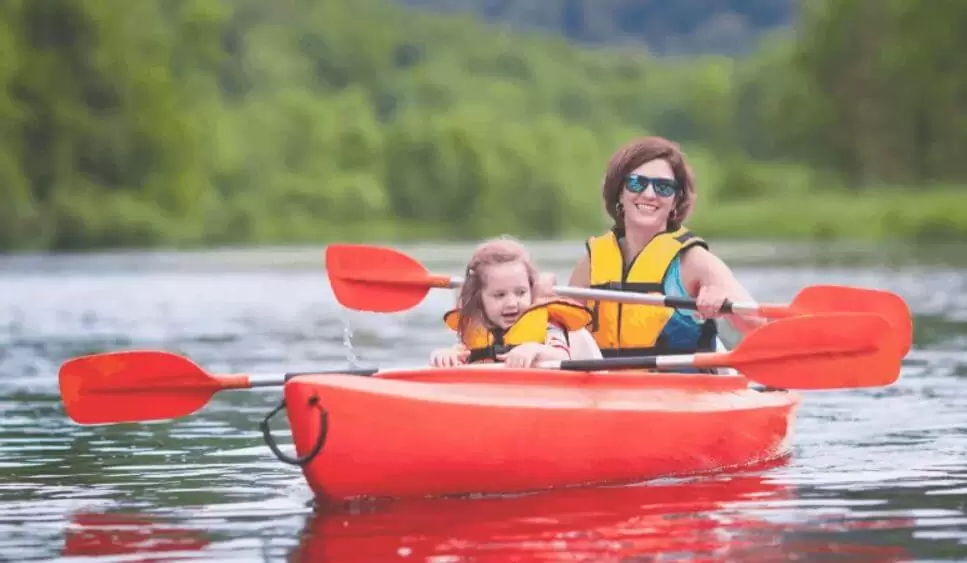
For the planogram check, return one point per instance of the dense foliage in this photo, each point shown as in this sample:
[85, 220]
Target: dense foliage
[679, 26]
[241, 121]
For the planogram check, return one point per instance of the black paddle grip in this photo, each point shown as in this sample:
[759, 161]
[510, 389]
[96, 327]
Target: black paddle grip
[689, 303]
[631, 362]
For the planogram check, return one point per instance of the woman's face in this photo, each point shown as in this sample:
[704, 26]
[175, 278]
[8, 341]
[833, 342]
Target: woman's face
[650, 207]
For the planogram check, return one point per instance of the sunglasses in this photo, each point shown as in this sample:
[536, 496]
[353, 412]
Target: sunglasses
[664, 187]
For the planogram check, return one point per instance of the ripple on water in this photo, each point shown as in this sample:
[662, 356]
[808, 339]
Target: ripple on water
[876, 475]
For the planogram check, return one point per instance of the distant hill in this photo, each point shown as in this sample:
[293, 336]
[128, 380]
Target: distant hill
[665, 26]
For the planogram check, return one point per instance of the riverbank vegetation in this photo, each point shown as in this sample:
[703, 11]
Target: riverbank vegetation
[186, 123]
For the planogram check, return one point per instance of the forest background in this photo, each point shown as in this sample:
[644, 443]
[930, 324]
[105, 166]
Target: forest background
[188, 123]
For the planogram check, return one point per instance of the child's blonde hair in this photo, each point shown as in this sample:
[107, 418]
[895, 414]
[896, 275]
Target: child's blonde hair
[501, 250]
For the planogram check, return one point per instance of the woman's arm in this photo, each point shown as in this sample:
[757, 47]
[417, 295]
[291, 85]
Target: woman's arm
[708, 278]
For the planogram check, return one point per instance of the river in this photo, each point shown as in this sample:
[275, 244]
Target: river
[875, 474]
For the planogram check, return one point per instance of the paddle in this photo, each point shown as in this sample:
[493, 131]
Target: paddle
[830, 351]
[379, 279]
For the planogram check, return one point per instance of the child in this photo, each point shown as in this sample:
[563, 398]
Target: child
[502, 316]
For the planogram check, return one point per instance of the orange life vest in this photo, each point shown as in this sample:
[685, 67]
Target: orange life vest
[632, 330]
[486, 343]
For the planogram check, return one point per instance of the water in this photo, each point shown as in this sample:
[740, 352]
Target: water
[875, 475]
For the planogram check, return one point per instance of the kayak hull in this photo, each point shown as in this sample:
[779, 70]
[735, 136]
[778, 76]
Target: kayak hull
[416, 433]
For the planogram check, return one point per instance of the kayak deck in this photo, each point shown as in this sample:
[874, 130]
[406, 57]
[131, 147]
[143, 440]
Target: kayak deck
[435, 432]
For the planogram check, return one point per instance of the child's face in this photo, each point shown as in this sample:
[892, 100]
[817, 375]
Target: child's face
[506, 293]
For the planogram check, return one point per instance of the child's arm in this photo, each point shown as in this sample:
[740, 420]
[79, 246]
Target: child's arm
[526, 355]
[556, 345]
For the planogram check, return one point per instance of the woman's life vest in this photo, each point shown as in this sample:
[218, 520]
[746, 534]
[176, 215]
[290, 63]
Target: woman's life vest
[634, 330]
[486, 343]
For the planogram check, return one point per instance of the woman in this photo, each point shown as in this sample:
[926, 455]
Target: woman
[649, 191]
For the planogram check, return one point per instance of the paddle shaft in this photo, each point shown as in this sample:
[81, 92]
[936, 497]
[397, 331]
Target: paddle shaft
[274, 379]
[633, 298]
[235, 381]
[674, 361]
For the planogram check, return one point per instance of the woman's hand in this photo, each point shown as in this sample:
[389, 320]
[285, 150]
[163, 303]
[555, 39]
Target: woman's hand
[523, 356]
[449, 357]
[709, 301]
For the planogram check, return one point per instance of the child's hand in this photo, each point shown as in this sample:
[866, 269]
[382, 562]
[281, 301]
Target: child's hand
[449, 357]
[523, 356]
[546, 283]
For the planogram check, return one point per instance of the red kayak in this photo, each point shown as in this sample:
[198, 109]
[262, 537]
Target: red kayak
[494, 429]
[431, 432]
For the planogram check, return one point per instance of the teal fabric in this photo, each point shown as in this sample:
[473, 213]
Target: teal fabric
[683, 328]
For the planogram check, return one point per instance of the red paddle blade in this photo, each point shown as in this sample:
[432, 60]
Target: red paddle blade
[828, 351]
[373, 278]
[133, 386]
[839, 298]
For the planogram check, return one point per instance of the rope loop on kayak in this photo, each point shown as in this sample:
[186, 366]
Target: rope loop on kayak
[316, 448]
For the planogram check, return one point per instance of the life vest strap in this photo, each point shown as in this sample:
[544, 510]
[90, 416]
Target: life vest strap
[637, 287]
[489, 353]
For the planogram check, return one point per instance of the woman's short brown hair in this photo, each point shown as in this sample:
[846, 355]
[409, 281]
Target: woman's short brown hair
[637, 152]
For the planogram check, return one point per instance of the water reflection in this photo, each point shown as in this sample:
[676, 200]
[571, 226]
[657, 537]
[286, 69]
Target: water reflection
[94, 534]
[723, 518]
[744, 517]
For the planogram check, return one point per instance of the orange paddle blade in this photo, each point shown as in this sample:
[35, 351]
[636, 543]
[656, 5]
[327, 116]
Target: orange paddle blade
[840, 298]
[378, 279]
[826, 351]
[135, 385]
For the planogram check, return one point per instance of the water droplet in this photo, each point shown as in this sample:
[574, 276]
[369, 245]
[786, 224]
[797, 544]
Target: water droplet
[347, 341]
